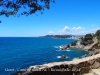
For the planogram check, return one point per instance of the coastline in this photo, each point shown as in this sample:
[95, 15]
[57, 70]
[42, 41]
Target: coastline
[83, 65]
[79, 64]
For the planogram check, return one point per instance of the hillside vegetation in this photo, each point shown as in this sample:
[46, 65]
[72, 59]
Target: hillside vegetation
[89, 39]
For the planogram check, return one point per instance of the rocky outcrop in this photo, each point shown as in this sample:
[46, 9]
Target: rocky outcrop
[74, 67]
[90, 46]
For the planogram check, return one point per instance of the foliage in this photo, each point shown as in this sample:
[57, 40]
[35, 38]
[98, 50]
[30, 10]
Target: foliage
[48, 36]
[62, 36]
[11, 7]
[90, 41]
[97, 33]
[87, 42]
[84, 43]
[98, 37]
[73, 43]
[99, 41]
[88, 37]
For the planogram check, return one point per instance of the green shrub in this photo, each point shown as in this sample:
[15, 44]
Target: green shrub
[97, 33]
[88, 37]
[87, 42]
[90, 41]
[84, 43]
[73, 43]
[98, 37]
[99, 41]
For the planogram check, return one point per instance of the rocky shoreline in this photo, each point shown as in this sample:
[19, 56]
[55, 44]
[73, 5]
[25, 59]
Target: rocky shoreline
[74, 67]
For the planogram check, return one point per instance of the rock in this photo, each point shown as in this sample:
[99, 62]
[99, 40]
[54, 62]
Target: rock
[91, 62]
[96, 51]
[63, 56]
[85, 70]
[79, 66]
[98, 60]
[95, 65]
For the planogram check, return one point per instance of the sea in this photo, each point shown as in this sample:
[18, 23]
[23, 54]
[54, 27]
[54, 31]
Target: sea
[21, 52]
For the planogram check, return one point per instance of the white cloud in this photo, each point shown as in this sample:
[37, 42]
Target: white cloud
[51, 32]
[74, 30]
[93, 30]
[77, 28]
[66, 28]
[93, 25]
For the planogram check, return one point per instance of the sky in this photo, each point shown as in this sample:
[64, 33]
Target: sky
[76, 17]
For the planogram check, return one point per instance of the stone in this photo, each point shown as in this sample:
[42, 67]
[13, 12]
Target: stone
[95, 65]
[91, 62]
[98, 60]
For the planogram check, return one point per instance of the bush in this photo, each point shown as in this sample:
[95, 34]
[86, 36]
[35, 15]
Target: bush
[97, 33]
[88, 37]
[98, 37]
[73, 43]
[84, 43]
[87, 42]
[90, 41]
[99, 41]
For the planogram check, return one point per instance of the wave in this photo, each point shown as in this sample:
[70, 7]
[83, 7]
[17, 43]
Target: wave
[63, 58]
[56, 46]
[58, 56]
[64, 50]
[76, 58]
[68, 50]
[84, 55]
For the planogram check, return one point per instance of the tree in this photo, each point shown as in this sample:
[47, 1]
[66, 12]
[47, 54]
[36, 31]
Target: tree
[97, 33]
[88, 37]
[73, 43]
[98, 37]
[12, 7]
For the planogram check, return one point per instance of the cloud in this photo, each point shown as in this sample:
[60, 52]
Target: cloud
[77, 28]
[51, 32]
[74, 31]
[66, 28]
[93, 25]
[93, 30]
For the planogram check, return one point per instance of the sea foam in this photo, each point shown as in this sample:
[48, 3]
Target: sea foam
[63, 50]
[56, 46]
[63, 58]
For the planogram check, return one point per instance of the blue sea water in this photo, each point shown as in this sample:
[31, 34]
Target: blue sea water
[21, 52]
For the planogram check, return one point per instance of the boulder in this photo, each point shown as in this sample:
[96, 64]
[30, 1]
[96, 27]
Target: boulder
[98, 60]
[95, 65]
[91, 62]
